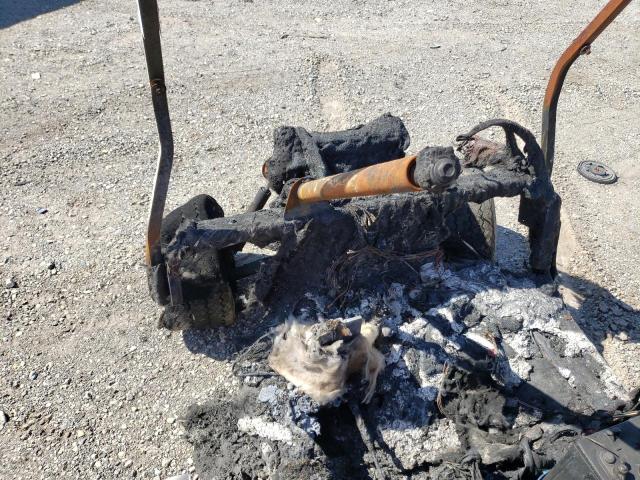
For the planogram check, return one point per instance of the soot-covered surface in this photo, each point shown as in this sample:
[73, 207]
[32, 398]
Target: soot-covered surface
[445, 405]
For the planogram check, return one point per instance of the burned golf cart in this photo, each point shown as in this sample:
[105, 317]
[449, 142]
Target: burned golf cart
[390, 211]
[339, 192]
[374, 262]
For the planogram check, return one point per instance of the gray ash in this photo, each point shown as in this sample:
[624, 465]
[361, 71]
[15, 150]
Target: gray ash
[486, 374]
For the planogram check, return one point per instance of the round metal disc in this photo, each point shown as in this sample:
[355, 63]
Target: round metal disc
[597, 172]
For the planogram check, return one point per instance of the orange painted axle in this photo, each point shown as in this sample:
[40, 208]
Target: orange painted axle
[395, 176]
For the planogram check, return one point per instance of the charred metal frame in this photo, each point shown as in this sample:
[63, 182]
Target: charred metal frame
[539, 205]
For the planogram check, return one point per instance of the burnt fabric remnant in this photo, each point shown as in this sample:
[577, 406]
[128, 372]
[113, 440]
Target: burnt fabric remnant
[319, 358]
[486, 376]
[298, 153]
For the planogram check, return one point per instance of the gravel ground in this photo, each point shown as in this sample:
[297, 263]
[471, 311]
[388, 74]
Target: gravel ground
[89, 387]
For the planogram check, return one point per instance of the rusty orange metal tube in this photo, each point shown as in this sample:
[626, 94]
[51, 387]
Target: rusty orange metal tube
[394, 176]
[579, 46]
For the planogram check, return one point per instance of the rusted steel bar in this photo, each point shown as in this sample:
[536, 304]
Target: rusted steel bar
[150, 24]
[581, 45]
[395, 176]
[434, 168]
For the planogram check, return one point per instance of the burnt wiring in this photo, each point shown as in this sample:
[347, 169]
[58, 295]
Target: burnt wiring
[254, 354]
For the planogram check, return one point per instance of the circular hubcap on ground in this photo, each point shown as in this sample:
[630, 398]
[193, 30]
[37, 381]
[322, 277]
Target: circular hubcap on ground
[597, 172]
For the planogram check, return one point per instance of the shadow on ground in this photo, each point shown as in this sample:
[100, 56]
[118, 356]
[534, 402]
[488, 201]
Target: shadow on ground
[597, 312]
[227, 343]
[16, 11]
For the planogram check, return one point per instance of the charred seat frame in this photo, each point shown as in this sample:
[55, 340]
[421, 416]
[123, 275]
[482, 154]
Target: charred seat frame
[499, 172]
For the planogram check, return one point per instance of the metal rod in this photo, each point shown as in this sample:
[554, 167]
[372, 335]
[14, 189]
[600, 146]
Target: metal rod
[150, 25]
[257, 204]
[581, 45]
[394, 176]
[260, 199]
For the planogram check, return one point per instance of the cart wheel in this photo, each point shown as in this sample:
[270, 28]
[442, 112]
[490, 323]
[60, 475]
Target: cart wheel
[207, 285]
[473, 231]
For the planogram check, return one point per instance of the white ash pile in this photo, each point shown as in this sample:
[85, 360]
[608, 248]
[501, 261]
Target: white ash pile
[485, 376]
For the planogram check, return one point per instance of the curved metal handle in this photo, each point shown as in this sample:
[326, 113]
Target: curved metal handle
[150, 25]
[581, 45]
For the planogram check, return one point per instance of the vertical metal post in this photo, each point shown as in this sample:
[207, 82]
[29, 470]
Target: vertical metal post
[150, 25]
[581, 45]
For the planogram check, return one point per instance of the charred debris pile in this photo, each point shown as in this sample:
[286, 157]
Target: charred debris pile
[485, 376]
[363, 345]
[373, 337]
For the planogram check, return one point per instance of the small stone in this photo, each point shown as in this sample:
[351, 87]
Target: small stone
[434, 46]
[42, 211]
[268, 394]
[33, 375]
[171, 420]
[35, 75]
[48, 265]
[534, 433]
[184, 476]
[386, 332]
[565, 372]
[80, 433]
[128, 463]
[10, 283]
[166, 462]
[121, 455]
[624, 336]
[4, 419]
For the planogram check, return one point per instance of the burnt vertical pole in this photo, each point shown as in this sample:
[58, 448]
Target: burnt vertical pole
[581, 45]
[150, 25]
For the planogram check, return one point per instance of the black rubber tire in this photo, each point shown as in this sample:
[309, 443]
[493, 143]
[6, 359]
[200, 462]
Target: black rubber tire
[208, 289]
[216, 309]
[200, 207]
[473, 231]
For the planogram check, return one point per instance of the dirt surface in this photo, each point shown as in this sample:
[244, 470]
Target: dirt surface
[89, 388]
